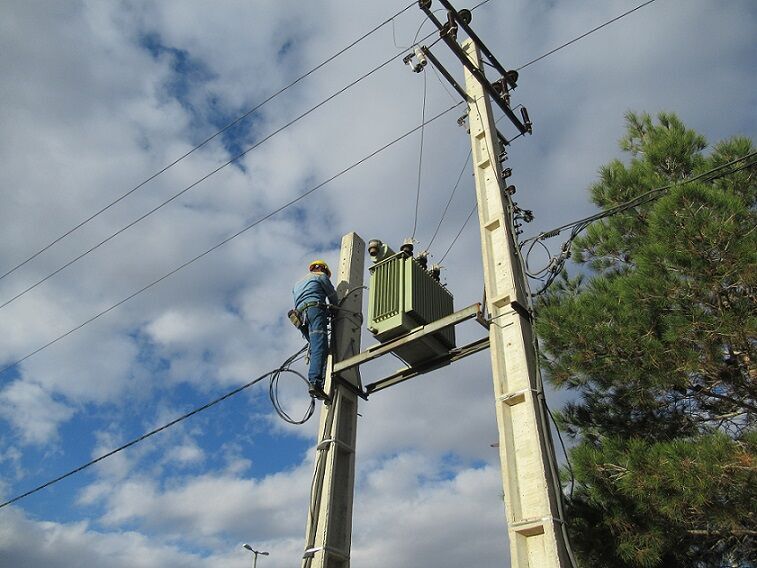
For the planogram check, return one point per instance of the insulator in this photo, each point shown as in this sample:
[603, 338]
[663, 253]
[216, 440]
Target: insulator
[435, 271]
[512, 78]
[422, 259]
[526, 120]
[407, 247]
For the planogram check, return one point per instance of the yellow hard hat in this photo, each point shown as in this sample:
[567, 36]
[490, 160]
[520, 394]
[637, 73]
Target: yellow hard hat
[320, 264]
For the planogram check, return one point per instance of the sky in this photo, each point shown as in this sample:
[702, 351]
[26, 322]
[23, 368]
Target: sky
[97, 97]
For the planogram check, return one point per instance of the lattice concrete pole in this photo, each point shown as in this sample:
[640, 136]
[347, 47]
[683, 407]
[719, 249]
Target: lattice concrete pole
[536, 539]
[329, 529]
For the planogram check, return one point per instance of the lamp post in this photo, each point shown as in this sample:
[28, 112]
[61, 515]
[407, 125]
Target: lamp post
[255, 552]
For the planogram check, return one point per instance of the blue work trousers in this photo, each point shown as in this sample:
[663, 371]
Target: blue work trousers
[315, 331]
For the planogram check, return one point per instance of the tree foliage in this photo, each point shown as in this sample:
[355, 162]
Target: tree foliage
[657, 337]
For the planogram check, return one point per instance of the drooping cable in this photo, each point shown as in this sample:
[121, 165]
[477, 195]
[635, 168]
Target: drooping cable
[574, 40]
[273, 389]
[273, 375]
[228, 239]
[199, 181]
[209, 139]
[420, 156]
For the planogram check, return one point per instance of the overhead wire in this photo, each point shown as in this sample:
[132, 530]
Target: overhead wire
[227, 239]
[260, 220]
[539, 59]
[200, 180]
[591, 31]
[209, 139]
[475, 207]
[555, 264]
[460, 232]
[274, 377]
[454, 189]
[449, 201]
[420, 156]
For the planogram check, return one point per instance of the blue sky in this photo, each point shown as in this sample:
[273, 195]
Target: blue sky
[97, 97]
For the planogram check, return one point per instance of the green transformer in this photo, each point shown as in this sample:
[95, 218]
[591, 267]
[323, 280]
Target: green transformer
[403, 296]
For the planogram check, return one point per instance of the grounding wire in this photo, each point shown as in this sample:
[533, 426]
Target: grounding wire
[200, 180]
[209, 139]
[607, 23]
[420, 155]
[272, 374]
[227, 239]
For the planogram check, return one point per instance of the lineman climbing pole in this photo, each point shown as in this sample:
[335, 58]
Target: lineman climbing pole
[535, 525]
[329, 528]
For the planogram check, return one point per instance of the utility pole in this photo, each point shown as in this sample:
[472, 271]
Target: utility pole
[534, 522]
[329, 528]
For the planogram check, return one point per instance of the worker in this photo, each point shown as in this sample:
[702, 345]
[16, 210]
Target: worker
[310, 295]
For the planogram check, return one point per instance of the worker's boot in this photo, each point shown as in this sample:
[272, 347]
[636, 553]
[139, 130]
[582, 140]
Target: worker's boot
[316, 391]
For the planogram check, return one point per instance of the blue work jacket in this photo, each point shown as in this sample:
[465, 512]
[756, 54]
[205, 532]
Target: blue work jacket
[315, 287]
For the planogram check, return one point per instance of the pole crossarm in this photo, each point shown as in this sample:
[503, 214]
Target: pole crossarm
[448, 33]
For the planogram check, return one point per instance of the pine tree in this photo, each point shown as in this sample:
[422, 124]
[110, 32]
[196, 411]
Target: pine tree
[657, 337]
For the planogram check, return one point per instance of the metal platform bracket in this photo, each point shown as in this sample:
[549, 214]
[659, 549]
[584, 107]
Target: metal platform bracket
[376, 351]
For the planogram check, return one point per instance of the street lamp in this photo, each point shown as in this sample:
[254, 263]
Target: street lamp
[255, 552]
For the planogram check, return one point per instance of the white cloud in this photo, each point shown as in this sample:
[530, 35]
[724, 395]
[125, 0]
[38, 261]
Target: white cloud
[88, 112]
[29, 543]
[32, 411]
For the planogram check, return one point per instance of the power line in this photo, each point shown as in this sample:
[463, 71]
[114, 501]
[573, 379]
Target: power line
[274, 375]
[555, 265]
[222, 166]
[226, 240]
[207, 140]
[460, 232]
[607, 23]
[449, 201]
[197, 182]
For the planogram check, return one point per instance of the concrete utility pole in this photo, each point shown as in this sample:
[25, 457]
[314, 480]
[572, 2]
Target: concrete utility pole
[534, 524]
[329, 529]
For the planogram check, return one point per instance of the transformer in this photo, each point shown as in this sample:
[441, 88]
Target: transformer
[404, 295]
